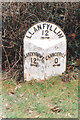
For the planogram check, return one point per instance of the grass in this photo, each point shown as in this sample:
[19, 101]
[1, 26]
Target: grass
[36, 99]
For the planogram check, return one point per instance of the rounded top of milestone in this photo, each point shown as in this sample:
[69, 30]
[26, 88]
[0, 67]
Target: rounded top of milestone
[45, 30]
[44, 34]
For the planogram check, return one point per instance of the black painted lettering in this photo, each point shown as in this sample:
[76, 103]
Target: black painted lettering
[55, 30]
[35, 53]
[63, 55]
[31, 33]
[33, 60]
[56, 65]
[28, 36]
[25, 56]
[35, 29]
[56, 60]
[50, 55]
[42, 59]
[31, 54]
[61, 35]
[53, 54]
[40, 56]
[45, 32]
[44, 25]
[48, 26]
[46, 58]
[28, 54]
[42, 32]
[39, 27]
[58, 32]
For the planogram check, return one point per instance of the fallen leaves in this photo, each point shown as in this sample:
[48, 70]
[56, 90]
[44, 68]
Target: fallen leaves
[18, 86]
[68, 115]
[8, 106]
[56, 103]
[11, 93]
[70, 100]
[64, 88]
[54, 108]
[52, 82]
[29, 111]
[52, 112]
[13, 90]
[37, 95]
[21, 95]
[37, 116]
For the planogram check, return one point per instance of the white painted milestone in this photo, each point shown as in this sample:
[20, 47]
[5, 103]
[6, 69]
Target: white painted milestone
[44, 51]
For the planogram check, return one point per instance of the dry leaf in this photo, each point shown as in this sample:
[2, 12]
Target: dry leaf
[6, 104]
[26, 98]
[54, 108]
[37, 116]
[52, 82]
[7, 108]
[18, 86]
[64, 88]
[11, 93]
[30, 111]
[37, 95]
[69, 115]
[52, 112]
[22, 94]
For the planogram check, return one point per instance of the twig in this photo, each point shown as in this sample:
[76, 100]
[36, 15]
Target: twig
[14, 74]
[13, 66]
[16, 62]
[6, 55]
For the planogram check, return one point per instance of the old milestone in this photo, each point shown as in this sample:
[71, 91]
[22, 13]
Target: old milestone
[44, 51]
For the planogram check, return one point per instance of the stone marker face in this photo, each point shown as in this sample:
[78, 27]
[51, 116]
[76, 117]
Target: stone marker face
[44, 51]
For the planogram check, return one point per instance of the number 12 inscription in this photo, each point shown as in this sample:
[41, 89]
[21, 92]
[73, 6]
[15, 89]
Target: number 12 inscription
[34, 62]
[45, 33]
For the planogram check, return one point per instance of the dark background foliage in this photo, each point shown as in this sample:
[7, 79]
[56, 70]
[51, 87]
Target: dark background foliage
[18, 17]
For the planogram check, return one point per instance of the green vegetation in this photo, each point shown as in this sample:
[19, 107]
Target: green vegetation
[50, 99]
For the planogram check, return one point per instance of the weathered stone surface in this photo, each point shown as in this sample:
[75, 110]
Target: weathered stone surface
[44, 51]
